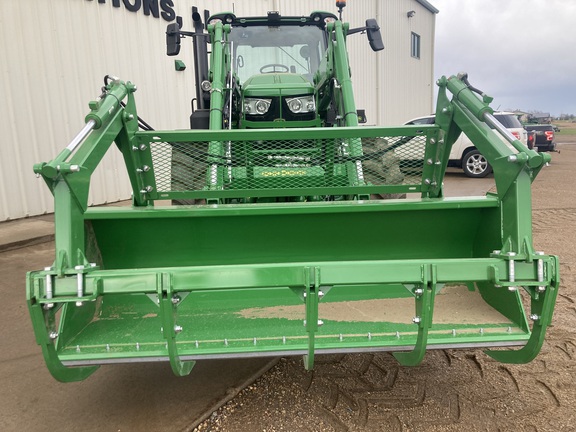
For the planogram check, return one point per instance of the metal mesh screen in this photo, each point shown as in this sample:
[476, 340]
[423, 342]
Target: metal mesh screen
[287, 164]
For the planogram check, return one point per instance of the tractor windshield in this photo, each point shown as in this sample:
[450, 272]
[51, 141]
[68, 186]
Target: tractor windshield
[287, 49]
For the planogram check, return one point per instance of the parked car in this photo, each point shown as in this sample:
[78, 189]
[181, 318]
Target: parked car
[464, 155]
[544, 136]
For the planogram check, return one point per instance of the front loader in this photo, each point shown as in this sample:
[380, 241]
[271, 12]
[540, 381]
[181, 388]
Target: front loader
[292, 230]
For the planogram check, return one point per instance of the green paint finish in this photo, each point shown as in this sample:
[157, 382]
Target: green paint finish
[289, 248]
[283, 235]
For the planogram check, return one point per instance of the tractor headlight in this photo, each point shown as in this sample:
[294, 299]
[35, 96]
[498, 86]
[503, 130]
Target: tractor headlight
[253, 106]
[301, 104]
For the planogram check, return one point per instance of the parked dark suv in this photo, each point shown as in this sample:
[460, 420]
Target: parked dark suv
[544, 136]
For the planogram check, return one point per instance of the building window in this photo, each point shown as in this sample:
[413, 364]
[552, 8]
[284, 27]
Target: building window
[415, 45]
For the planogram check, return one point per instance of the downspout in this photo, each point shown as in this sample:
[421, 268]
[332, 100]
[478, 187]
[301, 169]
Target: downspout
[379, 76]
[432, 50]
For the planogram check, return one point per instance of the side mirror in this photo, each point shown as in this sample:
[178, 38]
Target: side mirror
[173, 39]
[374, 36]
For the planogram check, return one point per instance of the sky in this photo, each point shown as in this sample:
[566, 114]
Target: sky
[521, 52]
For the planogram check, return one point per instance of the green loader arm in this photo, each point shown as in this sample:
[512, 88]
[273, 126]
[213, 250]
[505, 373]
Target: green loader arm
[234, 277]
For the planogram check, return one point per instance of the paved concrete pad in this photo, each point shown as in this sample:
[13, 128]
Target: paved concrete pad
[23, 232]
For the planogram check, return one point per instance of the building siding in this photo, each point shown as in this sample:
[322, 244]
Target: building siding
[56, 53]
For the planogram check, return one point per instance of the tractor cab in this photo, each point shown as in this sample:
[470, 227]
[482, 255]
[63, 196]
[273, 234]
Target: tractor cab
[275, 62]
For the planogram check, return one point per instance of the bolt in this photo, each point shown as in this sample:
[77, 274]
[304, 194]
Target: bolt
[320, 323]
[304, 323]
[74, 168]
[418, 291]
[177, 329]
[427, 181]
[142, 147]
[416, 320]
[369, 336]
[512, 158]
[107, 347]
[226, 342]
[534, 317]
[496, 252]
[432, 140]
[320, 294]
[137, 346]
[341, 337]
[79, 303]
[284, 340]
[53, 335]
[254, 341]
[511, 269]
[176, 299]
[197, 344]
[430, 162]
[541, 289]
[512, 288]
[304, 295]
[453, 332]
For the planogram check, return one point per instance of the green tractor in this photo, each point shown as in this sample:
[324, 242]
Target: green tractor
[292, 230]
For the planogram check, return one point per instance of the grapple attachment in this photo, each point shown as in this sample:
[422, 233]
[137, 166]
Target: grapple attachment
[293, 242]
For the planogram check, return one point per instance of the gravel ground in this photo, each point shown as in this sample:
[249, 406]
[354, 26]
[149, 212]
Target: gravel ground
[452, 390]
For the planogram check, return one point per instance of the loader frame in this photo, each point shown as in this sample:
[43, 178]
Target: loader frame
[241, 274]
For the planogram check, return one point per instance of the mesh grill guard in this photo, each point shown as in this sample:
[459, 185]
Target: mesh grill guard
[290, 167]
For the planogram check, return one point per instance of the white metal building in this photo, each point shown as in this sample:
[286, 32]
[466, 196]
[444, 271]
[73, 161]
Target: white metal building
[55, 54]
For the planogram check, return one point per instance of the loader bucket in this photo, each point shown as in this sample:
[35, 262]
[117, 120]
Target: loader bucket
[317, 241]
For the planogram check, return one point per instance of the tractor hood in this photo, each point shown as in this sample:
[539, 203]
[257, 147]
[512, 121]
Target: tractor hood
[277, 84]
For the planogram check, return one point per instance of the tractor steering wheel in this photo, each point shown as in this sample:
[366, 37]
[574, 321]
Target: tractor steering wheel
[274, 66]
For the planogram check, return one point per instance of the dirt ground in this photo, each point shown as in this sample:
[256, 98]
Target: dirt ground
[452, 390]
